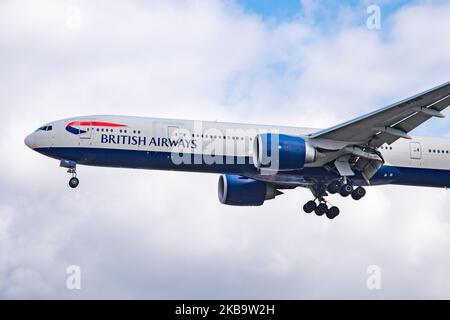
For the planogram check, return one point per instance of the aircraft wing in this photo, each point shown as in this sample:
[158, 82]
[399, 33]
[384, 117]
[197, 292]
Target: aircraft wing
[388, 124]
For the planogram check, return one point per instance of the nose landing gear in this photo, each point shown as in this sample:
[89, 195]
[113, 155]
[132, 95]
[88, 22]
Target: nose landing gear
[71, 169]
[74, 181]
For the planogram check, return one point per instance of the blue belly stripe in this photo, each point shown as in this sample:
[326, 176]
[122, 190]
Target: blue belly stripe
[133, 159]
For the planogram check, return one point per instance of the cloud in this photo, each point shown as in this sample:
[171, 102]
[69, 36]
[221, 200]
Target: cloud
[150, 234]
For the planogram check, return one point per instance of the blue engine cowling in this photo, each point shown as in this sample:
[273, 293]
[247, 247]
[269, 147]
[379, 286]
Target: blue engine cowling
[236, 190]
[282, 152]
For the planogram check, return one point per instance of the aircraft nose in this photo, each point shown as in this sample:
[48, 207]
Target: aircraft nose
[29, 141]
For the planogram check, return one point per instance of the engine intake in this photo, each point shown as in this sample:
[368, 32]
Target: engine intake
[236, 190]
[282, 152]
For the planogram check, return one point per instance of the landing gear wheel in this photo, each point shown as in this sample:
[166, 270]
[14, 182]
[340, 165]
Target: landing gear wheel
[309, 207]
[358, 193]
[346, 190]
[333, 212]
[74, 182]
[321, 209]
[334, 187]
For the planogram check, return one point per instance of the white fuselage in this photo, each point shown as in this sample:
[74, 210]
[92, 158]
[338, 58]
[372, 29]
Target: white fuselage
[86, 140]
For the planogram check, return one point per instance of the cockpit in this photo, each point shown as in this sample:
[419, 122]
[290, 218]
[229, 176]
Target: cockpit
[45, 128]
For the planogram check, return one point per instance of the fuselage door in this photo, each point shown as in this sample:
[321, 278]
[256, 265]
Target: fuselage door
[172, 132]
[85, 129]
[415, 150]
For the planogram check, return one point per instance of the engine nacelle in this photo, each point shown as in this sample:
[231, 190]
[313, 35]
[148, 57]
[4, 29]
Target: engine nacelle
[236, 190]
[282, 152]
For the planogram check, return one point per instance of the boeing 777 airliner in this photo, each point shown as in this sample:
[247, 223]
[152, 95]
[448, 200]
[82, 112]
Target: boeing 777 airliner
[258, 161]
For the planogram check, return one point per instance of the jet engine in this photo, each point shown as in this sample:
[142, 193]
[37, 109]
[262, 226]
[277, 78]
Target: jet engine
[237, 190]
[282, 152]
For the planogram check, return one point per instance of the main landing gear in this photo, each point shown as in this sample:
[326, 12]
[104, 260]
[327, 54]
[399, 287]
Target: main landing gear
[343, 187]
[346, 189]
[321, 209]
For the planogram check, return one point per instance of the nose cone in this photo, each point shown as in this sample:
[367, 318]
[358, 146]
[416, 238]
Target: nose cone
[29, 141]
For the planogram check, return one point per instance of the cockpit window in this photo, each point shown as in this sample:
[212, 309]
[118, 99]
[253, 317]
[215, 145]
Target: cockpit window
[45, 128]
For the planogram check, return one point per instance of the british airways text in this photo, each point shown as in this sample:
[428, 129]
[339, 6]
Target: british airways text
[145, 141]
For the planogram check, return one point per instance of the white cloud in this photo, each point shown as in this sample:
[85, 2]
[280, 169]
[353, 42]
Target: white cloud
[147, 234]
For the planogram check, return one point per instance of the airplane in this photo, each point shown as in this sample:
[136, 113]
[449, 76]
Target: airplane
[258, 162]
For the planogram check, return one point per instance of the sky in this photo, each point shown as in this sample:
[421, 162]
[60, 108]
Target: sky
[152, 234]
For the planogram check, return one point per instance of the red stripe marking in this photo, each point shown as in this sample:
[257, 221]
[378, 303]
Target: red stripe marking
[95, 124]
